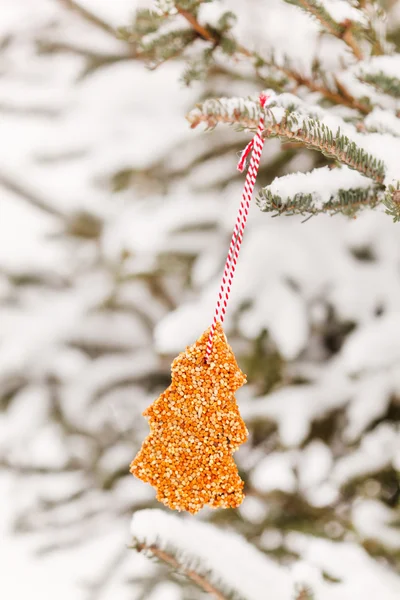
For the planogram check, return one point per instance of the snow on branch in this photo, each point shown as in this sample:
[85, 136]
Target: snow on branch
[318, 136]
[322, 190]
[220, 562]
[288, 124]
[329, 20]
[338, 18]
[383, 72]
[160, 47]
[383, 121]
[147, 21]
[171, 28]
[242, 112]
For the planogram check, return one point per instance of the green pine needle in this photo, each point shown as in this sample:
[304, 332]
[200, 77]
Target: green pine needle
[317, 10]
[244, 113]
[382, 82]
[347, 202]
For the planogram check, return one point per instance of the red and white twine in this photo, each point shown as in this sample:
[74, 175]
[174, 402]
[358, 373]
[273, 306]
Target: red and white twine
[254, 147]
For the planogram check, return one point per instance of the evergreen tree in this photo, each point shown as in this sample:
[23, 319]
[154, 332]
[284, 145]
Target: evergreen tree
[123, 214]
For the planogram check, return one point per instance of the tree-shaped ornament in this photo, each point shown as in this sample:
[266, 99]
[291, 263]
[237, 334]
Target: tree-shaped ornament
[195, 425]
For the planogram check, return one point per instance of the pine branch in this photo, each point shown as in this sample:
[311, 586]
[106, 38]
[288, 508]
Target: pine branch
[317, 136]
[160, 48]
[199, 550]
[343, 31]
[316, 9]
[147, 21]
[383, 83]
[231, 46]
[347, 202]
[392, 202]
[243, 112]
[291, 126]
[329, 190]
[376, 30]
[170, 560]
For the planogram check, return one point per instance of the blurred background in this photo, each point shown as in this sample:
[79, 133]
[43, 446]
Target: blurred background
[115, 219]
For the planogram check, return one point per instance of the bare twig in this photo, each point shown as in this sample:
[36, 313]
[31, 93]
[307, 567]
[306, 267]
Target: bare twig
[190, 573]
[349, 39]
[202, 31]
[17, 188]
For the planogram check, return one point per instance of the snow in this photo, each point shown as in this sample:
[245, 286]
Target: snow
[323, 184]
[370, 402]
[88, 327]
[21, 573]
[345, 562]
[121, 13]
[357, 574]
[279, 14]
[100, 375]
[389, 65]
[290, 471]
[375, 346]
[295, 407]
[372, 521]
[378, 449]
[315, 464]
[384, 121]
[381, 146]
[275, 472]
[287, 325]
[233, 562]
[253, 510]
[164, 591]
[341, 10]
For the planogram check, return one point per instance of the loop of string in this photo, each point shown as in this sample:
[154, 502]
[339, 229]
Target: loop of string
[254, 147]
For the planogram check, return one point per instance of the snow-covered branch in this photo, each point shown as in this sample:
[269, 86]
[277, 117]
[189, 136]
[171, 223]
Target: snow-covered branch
[169, 559]
[322, 190]
[383, 72]
[337, 18]
[291, 125]
[220, 562]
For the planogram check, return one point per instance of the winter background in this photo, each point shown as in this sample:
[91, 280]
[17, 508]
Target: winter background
[115, 219]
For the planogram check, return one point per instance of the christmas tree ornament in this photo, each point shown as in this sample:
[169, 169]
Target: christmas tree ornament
[195, 425]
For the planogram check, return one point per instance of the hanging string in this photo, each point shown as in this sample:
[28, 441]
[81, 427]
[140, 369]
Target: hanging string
[254, 147]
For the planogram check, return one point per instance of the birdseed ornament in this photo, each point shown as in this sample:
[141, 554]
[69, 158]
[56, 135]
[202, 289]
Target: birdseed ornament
[195, 425]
